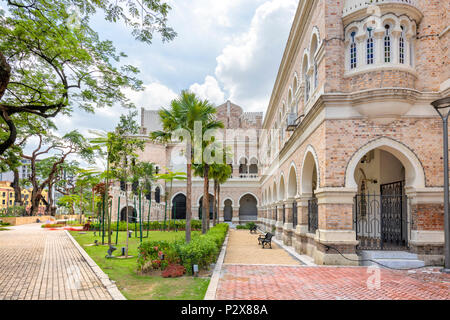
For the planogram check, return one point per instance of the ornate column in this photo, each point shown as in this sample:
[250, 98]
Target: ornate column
[235, 218]
[221, 214]
[288, 225]
[194, 212]
[279, 221]
[378, 35]
[335, 227]
[301, 239]
[426, 238]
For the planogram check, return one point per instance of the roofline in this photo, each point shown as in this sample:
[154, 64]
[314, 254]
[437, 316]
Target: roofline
[300, 20]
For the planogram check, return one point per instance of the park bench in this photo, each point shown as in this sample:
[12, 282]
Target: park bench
[267, 239]
[253, 229]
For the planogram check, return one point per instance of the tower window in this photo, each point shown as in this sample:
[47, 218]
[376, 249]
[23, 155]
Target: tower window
[402, 47]
[353, 51]
[370, 47]
[387, 44]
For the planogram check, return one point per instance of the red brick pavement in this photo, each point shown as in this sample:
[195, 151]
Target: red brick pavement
[257, 282]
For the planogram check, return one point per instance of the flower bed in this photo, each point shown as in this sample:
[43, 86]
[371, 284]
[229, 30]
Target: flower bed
[52, 225]
[202, 251]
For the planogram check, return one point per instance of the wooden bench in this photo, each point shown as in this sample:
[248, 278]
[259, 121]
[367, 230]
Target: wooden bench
[267, 239]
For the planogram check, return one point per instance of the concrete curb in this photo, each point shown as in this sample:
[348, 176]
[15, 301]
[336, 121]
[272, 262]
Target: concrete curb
[109, 285]
[214, 282]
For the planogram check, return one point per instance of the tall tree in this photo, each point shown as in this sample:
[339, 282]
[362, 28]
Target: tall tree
[220, 173]
[51, 60]
[178, 124]
[71, 143]
[121, 157]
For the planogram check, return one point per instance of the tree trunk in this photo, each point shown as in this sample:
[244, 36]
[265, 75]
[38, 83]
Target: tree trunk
[218, 200]
[17, 190]
[126, 217]
[215, 203]
[49, 206]
[205, 210]
[188, 202]
[35, 200]
[5, 75]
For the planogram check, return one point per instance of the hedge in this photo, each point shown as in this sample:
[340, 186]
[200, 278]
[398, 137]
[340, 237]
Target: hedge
[202, 251]
[246, 226]
[153, 225]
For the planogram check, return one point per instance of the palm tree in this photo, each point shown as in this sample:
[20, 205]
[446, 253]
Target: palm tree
[183, 113]
[220, 173]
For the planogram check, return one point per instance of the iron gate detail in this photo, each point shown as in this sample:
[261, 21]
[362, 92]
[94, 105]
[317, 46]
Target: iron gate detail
[313, 215]
[381, 221]
[294, 214]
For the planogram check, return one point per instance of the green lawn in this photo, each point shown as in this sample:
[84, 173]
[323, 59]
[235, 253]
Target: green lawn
[138, 287]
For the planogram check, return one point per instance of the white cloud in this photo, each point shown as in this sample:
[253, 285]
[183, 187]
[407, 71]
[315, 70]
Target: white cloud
[154, 96]
[248, 66]
[210, 90]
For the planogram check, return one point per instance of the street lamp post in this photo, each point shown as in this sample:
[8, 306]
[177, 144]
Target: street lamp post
[442, 107]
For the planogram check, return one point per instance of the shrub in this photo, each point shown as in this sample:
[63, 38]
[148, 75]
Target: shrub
[202, 250]
[174, 271]
[247, 226]
[153, 225]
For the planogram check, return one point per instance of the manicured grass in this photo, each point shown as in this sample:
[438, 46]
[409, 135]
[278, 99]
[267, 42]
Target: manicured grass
[124, 271]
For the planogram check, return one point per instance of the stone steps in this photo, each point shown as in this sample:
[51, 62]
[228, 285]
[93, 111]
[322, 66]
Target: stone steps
[391, 259]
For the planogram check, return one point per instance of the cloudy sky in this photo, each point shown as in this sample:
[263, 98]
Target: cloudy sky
[228, 49]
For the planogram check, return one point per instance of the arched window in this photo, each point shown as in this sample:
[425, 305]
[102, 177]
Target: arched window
[387, 44]
[401, 46]
[158, 195]
[370, 46]
[306, 78]
[353, 51]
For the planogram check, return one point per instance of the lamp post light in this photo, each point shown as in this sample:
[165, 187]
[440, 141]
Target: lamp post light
[442, 107]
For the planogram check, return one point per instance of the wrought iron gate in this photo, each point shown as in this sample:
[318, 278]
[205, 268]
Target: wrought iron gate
[294, 214]
[381, 221]
[313, 215]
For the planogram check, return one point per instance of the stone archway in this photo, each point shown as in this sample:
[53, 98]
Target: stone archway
[132, 214]
[179, 207]
[211, 207]
[380, 209]
[228, 210]
[248, 208]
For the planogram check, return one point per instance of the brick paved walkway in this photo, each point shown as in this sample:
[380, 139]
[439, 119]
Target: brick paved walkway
[246, 282]
[38, 264]
[250, 273]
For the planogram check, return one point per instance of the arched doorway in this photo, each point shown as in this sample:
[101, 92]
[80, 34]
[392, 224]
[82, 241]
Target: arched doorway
[309, 183]
[179, 207]
[211, 207]
[228, 210]
[248, 208]
[158, 194]
[380, 214]
[132, 214]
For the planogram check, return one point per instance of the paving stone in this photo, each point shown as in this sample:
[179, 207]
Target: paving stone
[39, 264]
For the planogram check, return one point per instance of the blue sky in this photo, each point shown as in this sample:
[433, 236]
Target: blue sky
[224, 50]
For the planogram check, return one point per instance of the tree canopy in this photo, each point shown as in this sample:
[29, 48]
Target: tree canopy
[52, 61]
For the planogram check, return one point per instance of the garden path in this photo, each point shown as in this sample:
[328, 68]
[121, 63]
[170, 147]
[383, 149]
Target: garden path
[40, 264]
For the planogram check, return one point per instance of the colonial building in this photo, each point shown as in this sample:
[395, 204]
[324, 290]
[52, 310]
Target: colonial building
[351, 144]
[240, 196]
[360, 147]
[7, 198]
